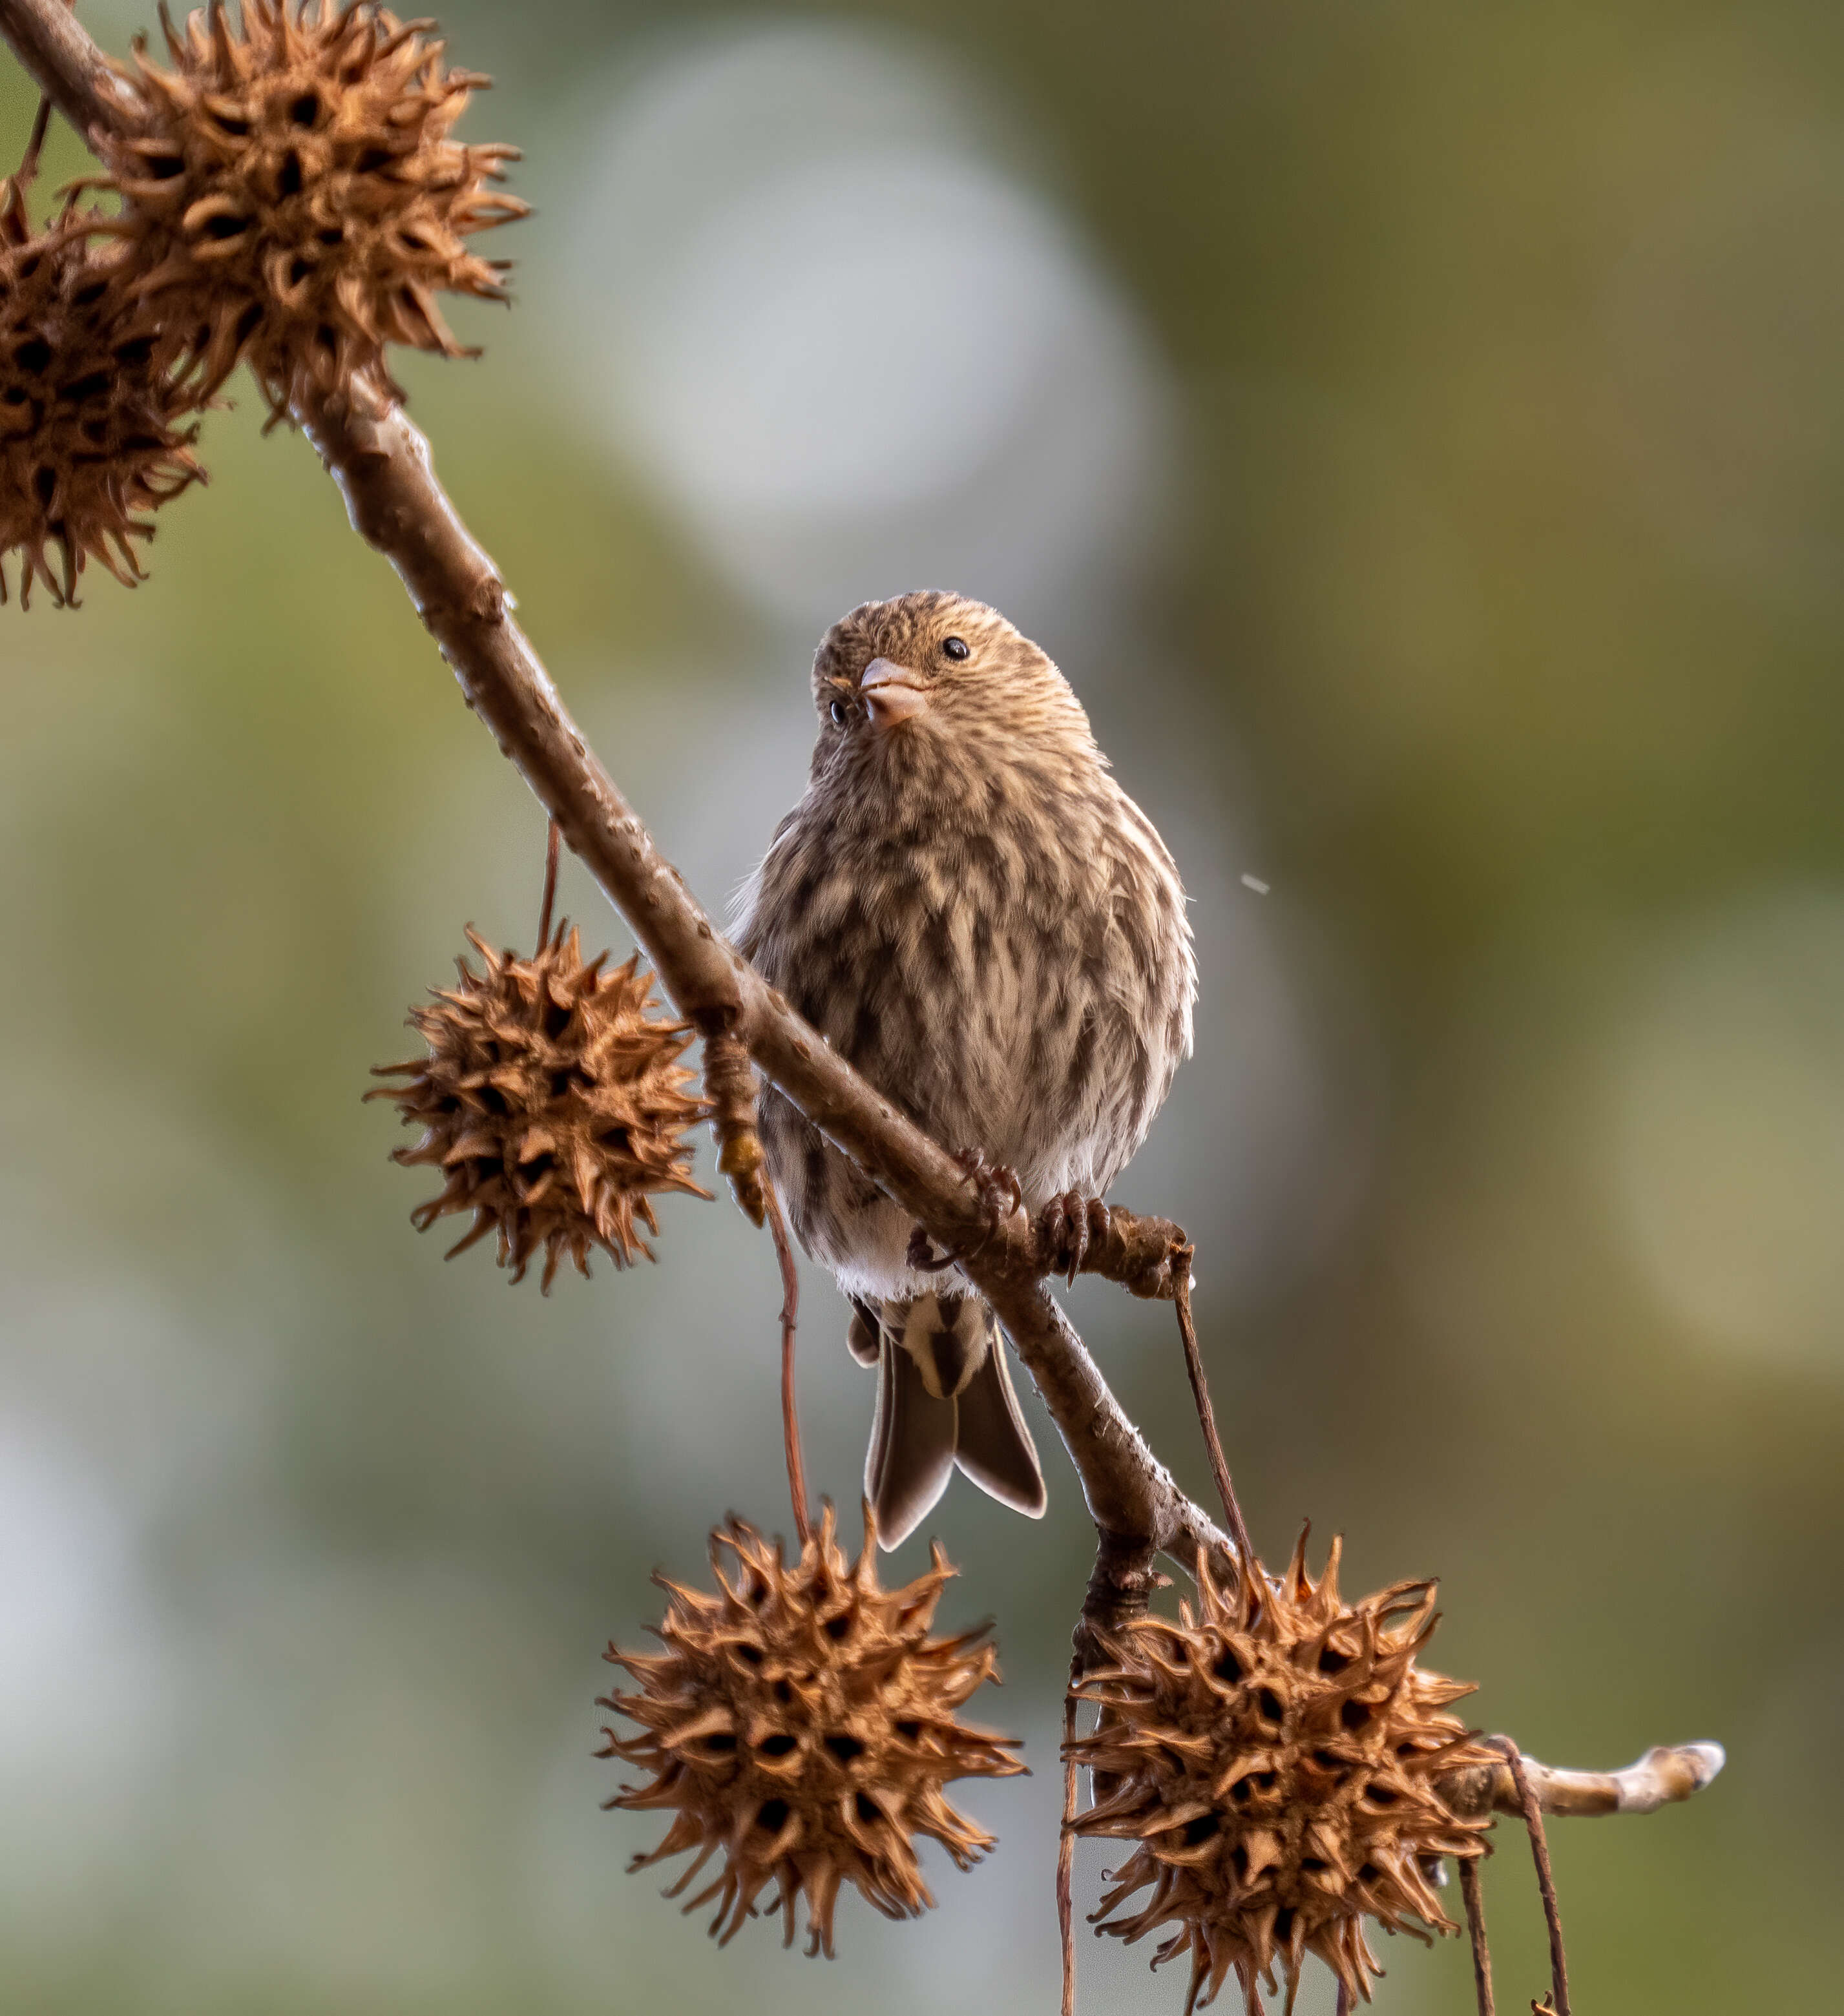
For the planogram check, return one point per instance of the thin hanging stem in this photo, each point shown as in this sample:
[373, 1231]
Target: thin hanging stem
[1473, 1895]
[35, 145]
[1194, 1364]
[550, 885]
[1347, 2001]
[1546, 1882]
[1066, 1845]
[790, 1310]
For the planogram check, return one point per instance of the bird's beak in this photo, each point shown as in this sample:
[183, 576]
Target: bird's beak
[890, 693]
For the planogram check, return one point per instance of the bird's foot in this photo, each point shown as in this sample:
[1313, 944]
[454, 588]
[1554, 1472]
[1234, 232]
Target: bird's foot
[1000, 1194]
[1066, 1228]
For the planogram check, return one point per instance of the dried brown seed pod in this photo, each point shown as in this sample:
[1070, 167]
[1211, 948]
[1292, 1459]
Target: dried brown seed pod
[90, 407]
[802, 1720]
[553, 1104]
[292, 193]
[1275, 1755]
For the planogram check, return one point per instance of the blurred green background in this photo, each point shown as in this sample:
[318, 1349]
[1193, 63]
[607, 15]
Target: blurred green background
[1418, 431]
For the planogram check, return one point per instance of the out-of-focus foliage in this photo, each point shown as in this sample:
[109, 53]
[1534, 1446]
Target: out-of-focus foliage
[1418, 431]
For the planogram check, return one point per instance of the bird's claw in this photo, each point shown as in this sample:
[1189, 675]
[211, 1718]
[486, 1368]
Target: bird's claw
[922, 1255]
[1000, 1194]
[998, 1187]
[1067, 1227]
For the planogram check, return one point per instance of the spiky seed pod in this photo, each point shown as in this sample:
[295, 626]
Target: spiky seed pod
[90, 407]
[1276, 1756]
[554, 1106]
[802, 1720]
[291, 187]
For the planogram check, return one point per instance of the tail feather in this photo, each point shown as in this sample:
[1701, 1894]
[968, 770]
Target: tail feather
[912, 1452]
[992, 1444]
[944, 1397]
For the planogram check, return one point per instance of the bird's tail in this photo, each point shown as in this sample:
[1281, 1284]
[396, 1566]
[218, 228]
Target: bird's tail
[944, 1397]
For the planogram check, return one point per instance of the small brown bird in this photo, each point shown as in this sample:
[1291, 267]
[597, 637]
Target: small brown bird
[973, 913]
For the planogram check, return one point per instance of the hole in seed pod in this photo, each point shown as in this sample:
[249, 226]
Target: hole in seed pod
[298, 270]
[33, 355]
[87, 386]
[1268, 1705]
[305, 110]
[867, 1808]
[1355, 1714]
[1329, 1760]
[222, 224]
[88, 296]
[1369, 1873]
[614, 1139]
[96, 432]
[134, 353]
[909, 1731]
[1405, 1750]
[572, 1078]
[1227, 1667]
[772, 1816]
[494, 1100]
[1239, 1861]
[1381, 1796]
[1202, 1829]
[720, 1743]
[778, 1746]
[1283, 1923]
[757, 1593]
[371, 160]
[44, 487]
[1266, 1781]
[556, 1019]
[1239, 1791]
[837, 1627]
[750, 1655]
[1312, 1864]
[783, 1690]
[12, 395]
[227, 122]
[848, 1749]
[539, 1165]
[333, 234]
[289, 181]
[164, 167]
[246, 323]
[1332, 1660]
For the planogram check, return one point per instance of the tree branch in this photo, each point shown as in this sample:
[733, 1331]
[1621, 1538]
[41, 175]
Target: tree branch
[1661, 1777]
[382, 463]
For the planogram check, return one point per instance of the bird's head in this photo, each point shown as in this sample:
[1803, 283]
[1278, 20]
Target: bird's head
[932, 669]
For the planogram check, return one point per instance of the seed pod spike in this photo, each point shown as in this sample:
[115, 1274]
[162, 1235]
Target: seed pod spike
[1280, 1780]
[812, 1740]
[325, 134]
[554, 1101]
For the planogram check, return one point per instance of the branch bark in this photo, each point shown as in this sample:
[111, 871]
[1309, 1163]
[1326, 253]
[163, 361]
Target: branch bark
[1663, 1776]
[382, 463]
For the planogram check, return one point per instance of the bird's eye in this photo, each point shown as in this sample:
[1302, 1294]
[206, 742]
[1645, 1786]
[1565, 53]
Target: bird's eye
[953, 648]
[840, 714]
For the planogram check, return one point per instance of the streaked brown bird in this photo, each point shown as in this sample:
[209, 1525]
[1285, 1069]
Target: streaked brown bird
[969, 908]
